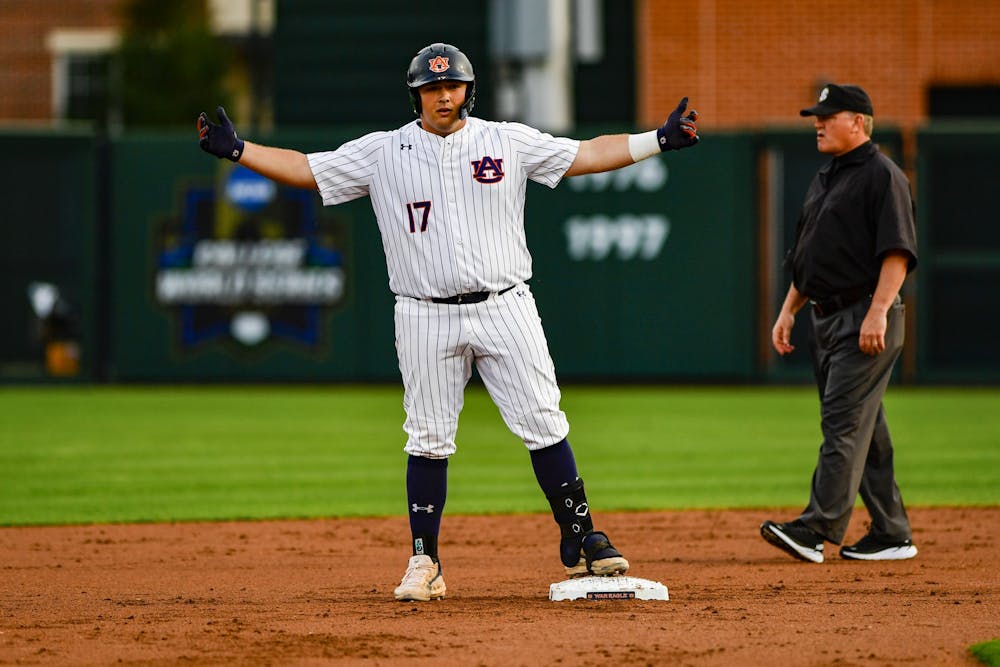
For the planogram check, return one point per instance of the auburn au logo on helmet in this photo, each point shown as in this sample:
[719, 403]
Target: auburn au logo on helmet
[438, 64]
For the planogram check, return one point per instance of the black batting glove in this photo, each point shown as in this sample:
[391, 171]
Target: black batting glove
[679, 131]
[219, 140]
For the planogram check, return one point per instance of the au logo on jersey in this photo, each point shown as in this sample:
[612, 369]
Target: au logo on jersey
[438, 64]
[488, 170]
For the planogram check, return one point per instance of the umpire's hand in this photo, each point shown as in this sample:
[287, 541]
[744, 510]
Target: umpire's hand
[219, 140]
[679, 131]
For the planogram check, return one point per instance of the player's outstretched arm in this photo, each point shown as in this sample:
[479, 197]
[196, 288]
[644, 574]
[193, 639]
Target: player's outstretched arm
[283, 165]
[614, 151]
[279, 164]
[603, 153]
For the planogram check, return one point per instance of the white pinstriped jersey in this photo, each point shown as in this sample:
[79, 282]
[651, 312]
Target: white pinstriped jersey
[450, 209]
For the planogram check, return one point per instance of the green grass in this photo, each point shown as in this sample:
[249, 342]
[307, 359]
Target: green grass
[987, 653]
[118, 454]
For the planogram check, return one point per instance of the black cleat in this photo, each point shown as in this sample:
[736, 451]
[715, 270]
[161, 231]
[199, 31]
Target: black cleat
[870, 547]
[795, 538]
[597, 557]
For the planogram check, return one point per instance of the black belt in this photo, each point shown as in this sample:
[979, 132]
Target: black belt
[469, 297]
[841, 301]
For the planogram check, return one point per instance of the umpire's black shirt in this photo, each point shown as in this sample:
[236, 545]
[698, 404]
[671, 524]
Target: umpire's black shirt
[857, 208]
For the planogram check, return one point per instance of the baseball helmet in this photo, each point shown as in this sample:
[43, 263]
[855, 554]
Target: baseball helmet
[441, 62]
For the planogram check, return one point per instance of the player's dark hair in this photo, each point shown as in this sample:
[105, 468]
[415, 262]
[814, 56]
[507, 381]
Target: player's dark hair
[441, 62]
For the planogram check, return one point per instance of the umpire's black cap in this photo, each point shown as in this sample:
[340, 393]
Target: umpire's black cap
[834, 98]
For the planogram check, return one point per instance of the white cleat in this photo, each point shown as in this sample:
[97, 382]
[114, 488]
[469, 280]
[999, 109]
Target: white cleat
[422, 581]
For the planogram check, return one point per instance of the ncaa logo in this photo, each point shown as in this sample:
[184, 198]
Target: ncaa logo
[249, 190]
[438, 64]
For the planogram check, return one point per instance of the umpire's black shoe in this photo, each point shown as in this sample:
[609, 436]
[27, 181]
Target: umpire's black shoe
[870, 547]
[795, 538]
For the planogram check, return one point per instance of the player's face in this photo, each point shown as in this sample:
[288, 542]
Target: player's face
[441, 106]
[839, 133]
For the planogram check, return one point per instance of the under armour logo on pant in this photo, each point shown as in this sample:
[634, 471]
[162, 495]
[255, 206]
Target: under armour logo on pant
[417, 508]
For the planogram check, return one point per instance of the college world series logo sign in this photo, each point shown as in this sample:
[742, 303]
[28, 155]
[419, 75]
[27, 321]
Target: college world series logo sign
[247, 263]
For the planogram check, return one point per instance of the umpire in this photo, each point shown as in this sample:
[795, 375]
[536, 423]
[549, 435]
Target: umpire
[855, 245]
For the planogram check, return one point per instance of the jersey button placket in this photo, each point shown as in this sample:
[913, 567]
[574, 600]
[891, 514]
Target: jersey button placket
[448, 181]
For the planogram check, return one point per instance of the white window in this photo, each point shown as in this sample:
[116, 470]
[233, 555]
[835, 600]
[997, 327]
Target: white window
[81, 72]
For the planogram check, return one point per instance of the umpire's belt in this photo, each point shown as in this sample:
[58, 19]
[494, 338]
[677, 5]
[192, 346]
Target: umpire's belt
[841, 301]
[468, 297]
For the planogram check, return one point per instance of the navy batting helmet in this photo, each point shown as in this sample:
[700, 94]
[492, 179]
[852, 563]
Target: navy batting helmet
[441, 62]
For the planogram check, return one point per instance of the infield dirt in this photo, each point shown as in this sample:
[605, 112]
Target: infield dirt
[320, 592]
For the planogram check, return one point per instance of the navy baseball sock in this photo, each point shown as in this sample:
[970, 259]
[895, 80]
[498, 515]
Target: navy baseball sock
[555, 470]
[555, 467]
[426, 489]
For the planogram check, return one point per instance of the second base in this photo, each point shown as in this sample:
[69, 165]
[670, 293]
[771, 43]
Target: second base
[608, 588]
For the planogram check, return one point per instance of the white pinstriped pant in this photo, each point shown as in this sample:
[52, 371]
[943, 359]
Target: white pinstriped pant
[436, 345]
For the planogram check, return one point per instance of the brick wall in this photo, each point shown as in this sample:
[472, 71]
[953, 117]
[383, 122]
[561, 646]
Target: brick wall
[757, 63]
[25, 78]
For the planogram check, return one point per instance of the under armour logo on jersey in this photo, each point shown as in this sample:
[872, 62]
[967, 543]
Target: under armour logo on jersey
[417, 508]
[488, 170]
[438, 64]
[406, 146]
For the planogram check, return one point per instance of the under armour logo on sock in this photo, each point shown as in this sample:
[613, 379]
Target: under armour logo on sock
[417, 508]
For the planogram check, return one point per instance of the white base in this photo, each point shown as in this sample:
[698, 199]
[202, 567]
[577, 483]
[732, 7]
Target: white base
[608, 588]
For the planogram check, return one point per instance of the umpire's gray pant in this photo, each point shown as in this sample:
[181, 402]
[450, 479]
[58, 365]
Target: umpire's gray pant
[856, 454]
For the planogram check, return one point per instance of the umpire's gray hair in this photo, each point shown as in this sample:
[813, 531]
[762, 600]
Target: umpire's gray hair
[868, 123]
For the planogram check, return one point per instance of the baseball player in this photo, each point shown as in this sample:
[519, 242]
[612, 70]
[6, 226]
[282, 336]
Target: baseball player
[448, 194]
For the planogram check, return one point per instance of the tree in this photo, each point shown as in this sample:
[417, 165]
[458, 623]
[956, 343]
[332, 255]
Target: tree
[169, 65]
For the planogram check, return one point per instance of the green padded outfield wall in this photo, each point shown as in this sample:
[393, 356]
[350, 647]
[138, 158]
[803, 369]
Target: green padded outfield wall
[223, 276]
[48, 234]
[648, 272]
[958, 218]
